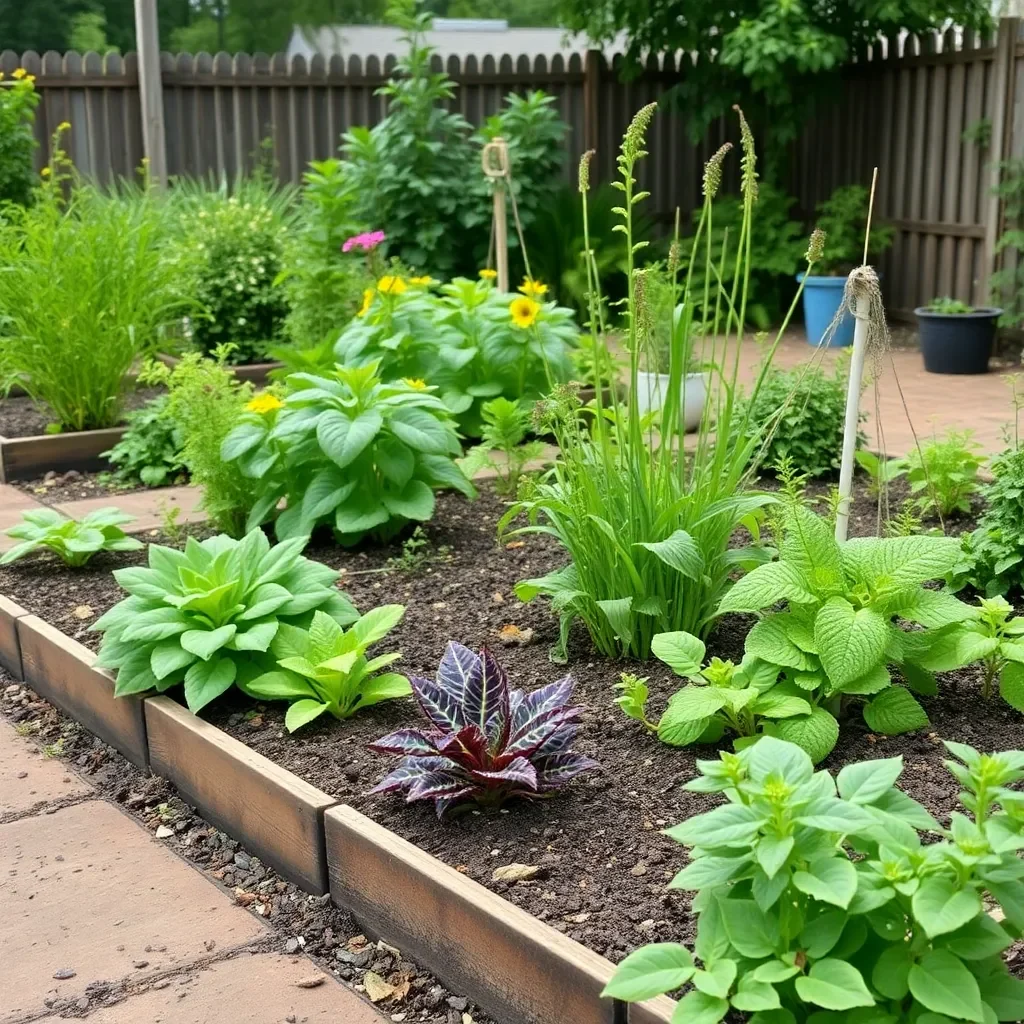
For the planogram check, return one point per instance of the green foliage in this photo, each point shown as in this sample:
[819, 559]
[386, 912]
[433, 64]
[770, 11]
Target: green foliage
[945, 473]
[880, 471]
[205, 401]
[818, 901]
[417, 551]
[325, 668]
[465, 340]
[949, 307]
[322, 285]
[993, 638]
[840, 631]
[87, 283]
[1007, 284]
[18, 101]
[74, 541]
[149, 449]
[801, 413]
[843, 217]
[206, 616]
[505, 427]
[346, 450]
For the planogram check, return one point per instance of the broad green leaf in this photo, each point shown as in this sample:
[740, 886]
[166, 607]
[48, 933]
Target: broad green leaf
[302, 712]
[682, 652]
[891, 972]
[772, 852]
[695, 703]
[753, 995]
[780, 705]
[865, 781]
[279, 685]
[977, 940]
[386, 686]
[207, 680]
[835, 985]
[752, 932]
[775, 971]
[809, 546]
[973, 647]
[257, 637]
[1011, 684]
[942, 906]
[416, 501]
[769, 641]
[651, 971]
[897, 563]
[933, 609]
[394, 459]
[677, 731]
[1004, 994]
[943, 984]
[850, 641]
[816, 733]
[170, 657]
[699, 1008]
[822, 933]
[377, 623]
[730, 824]
[873, 681]
[680, 551]
[342, 439]
[206, 642]
[831, 879]
[242, 439]
[895, 711]
[618, 612]
[421, 431]
[717, 979]
[771, 756]
[918, 679]
[764, 586]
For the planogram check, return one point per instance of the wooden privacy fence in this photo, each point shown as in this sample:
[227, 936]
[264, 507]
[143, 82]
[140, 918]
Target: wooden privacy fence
[905, 106]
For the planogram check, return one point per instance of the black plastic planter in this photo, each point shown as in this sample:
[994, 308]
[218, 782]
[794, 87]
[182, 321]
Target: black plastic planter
[956, 342]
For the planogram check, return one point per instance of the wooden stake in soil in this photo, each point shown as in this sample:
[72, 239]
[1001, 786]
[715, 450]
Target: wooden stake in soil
[494, 159]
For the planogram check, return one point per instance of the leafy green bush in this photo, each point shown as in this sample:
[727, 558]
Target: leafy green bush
[149, 450]
[949, 307]
[993, 638]
[206, 616]
[74, 541]
[348, 451]
[18, 102]
[324, 668]
[816, 907]
[839, 631]
[506, 425]
[945, 473]
[843, 217]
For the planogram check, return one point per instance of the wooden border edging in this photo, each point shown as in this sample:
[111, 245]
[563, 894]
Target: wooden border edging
[22, 458]
[10, 646]
[62, 670]
[272, 811]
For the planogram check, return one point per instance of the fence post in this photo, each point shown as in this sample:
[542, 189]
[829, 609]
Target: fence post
[151, 89]
[1003, 87]
[591, 97]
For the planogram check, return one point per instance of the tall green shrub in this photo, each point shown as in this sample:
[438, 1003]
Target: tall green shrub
[18, 101]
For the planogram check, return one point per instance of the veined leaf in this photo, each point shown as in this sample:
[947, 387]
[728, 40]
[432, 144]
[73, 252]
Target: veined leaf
[850, 641]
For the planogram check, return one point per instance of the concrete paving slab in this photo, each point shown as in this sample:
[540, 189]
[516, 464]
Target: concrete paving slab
[12, 503]
[27, 778]
[87, 890]
[247, 989]
[148, 506]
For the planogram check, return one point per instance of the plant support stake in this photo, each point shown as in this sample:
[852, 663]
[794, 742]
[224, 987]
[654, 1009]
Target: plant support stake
[862, 312]
[494, 159]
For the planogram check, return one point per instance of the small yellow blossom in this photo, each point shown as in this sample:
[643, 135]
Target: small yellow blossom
[64, 126]
[425, 281]
[533, 289]
[20, 73]
[417, 383]
[390, 284]
[367, 302]
[524, 311]
[264, 403]
[487, 274]
[45, 172]
[30, 78]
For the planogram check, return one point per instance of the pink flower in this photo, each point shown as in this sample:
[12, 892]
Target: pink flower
[366, 242]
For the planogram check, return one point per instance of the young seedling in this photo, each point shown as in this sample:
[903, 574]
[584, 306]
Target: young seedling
[995, 639]
[505, 427]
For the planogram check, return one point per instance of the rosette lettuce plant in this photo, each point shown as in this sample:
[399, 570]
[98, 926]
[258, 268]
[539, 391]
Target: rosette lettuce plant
[840, 631]
[73, 541]
[485, 742]
[818, 903]
[349, 451]
[206, 616]
[325, 668]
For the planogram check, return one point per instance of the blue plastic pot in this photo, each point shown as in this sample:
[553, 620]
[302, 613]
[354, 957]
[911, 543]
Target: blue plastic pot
[822, 298]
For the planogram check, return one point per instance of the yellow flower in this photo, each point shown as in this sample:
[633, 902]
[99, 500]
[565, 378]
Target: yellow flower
[487, 274]
[264, 403]
[533, 289]
[524, 311]
[64, 126]
[30, 78]
[425, 281]
[367, 301]
[19, 73]
[391, 285]
[45, 172]
[416, 383]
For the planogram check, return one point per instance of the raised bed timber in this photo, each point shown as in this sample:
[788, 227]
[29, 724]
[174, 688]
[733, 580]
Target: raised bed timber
[519, 969]
[22, 458]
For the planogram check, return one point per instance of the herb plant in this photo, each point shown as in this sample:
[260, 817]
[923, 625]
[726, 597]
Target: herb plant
[818, 902]
[18, 101]
[206, 616]
[348, 451]
[880, 471]
[485, 742]
[149, 450]
[949, 307]
[74, 541]
[506, 425]
[839, 632]
[994, 639]
[325, 668]
[945, 473]
[843, 218]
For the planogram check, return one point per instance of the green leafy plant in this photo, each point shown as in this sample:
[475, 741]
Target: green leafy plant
[206, 616]
[817, 900]
[945, 473]
[346, 450]
[325, 668]
[149, 450]
[721, 697]
[993, 638]
[880, 471]
[949, 307]
[648, 533]
[74, 541]
[1007, 283]
[18, 102]
[505, 429]
[843, 217]
[417, 551]
[839, 632]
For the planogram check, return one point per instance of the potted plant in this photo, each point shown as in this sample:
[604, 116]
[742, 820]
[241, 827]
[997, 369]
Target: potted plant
[955, 337]
[843, 218]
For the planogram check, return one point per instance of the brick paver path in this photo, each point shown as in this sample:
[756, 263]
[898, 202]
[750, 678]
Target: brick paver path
[102, 920]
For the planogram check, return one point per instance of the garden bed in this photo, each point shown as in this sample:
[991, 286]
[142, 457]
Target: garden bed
[604, 866]
[54, 488]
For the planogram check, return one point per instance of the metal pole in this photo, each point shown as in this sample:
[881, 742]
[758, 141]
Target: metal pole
[151, 90]
[860, 345]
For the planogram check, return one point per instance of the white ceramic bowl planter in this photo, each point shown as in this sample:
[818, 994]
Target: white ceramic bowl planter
[651, 389]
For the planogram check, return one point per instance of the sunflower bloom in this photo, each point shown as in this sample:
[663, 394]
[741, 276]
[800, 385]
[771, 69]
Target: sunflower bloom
[533, 289]
[367, 302]
[523, 311]
[264, 403]
[487, 274]
[416, 383]
[391, 284]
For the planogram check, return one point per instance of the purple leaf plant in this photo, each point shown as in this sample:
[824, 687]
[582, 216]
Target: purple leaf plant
[485, 742]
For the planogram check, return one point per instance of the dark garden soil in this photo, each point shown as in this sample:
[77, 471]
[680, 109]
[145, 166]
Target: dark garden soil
[59, 488]
[604, 866]
[20, 416]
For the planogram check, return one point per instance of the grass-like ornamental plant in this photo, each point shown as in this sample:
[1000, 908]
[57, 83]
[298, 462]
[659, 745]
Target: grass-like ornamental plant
[349, 451]
[74, 541]
[325, 668]
[648, 532]
[485, 743]
[206, 616]
[818, 903]
[840, 632]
